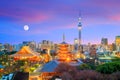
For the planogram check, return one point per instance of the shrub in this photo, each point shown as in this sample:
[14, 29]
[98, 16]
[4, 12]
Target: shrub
[92, 67]
[32, 69]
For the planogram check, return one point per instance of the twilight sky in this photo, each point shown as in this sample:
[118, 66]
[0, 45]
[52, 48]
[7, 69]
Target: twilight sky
[49, 19]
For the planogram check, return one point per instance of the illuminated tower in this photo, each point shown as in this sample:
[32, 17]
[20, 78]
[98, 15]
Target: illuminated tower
[79, 30]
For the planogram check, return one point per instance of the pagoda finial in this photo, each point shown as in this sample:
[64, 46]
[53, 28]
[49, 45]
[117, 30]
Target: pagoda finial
[63, 37]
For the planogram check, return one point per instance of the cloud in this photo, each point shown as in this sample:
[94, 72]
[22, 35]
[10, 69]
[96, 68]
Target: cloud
[40, 11]
[25, 16]
[115, 18]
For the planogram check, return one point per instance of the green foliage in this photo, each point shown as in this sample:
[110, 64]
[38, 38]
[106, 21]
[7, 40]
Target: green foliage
[92, 66]
[36, 65]
[32, 69]
[109, 68]
[83, 67]
[12, 52]
[21, 62]
[116, 59]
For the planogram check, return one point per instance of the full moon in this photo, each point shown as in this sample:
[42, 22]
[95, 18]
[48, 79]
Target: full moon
[26, 27]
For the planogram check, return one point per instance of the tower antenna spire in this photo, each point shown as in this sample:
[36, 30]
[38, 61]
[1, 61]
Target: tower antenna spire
[79, 19]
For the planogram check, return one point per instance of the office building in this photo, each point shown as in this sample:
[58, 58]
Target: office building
[117, 42]
[104, 41]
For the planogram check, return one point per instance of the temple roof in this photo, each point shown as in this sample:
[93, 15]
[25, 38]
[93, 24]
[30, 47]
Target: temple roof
[50, 66]
[25, 52]
[1, 66]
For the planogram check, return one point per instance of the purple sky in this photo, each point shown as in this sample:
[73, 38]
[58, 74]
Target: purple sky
[49, 19]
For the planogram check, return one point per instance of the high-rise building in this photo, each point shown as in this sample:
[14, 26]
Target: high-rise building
[117, 42]
[104, 41]
[76, 44]
[32, 45]
[7, 46]
[93, 51]
[1, 46]
[70, 47]
[39, 45]
[25, 43]
[17, 47]
[112, 47]
[56, 47]
[76, 41]
[45, 44]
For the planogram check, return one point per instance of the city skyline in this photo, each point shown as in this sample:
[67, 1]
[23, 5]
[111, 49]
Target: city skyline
[48, 20]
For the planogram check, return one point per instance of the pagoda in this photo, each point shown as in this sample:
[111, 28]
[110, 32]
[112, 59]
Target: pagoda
[63, 53]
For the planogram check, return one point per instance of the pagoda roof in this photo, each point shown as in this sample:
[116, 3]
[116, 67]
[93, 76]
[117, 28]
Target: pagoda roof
[63, 43]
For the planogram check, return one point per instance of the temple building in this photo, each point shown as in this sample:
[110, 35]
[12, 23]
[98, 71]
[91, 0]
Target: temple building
[26, 54]
[1, 68]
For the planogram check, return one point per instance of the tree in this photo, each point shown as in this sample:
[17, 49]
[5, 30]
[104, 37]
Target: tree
[83, 67]
[69, 71]
[88, 75]
[109, 68]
